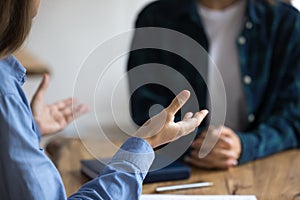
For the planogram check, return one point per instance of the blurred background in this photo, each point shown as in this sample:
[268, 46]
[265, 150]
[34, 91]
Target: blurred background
[63, 35]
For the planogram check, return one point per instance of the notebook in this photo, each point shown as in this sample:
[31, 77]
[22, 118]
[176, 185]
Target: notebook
[173, 171]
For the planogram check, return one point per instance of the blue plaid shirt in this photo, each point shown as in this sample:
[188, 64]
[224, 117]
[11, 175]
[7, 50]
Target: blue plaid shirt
[269, 52]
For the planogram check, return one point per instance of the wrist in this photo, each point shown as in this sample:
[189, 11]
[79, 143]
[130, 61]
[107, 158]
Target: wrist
[238, 146]
[151, 142]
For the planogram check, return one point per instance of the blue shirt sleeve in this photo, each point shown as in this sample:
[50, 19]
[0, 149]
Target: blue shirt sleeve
[26, 172]
[122, 178]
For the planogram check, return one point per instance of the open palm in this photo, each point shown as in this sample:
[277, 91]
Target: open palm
[54, 117]
[162, 129]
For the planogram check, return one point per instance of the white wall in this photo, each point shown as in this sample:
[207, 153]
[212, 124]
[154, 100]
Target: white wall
[63, 34]
[296, 3]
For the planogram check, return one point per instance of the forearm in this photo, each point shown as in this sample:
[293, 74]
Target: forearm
[124, 175]
[274, 136]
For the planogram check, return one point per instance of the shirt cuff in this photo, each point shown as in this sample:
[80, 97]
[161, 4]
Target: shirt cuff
[137, 152]
[250, 145]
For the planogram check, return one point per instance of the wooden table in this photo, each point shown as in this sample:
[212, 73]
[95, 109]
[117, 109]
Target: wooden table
[275, 177]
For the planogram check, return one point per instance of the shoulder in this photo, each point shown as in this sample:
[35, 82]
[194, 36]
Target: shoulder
[160, 9]
[287, 11]
[279, 18]
[7, 84]
[161, 5]
[281, 11]
[287, 19]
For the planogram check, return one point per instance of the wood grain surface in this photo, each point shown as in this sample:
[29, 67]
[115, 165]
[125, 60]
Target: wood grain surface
[273, 178]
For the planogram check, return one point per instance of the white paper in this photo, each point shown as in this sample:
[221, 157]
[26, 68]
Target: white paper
[197, 197]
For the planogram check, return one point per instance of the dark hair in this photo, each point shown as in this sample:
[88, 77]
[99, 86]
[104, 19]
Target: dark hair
[15, 23]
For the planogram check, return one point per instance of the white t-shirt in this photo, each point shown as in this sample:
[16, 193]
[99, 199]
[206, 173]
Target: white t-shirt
[223, 28]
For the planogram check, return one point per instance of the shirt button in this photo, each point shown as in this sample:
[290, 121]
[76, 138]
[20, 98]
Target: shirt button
[242, 40]
[251, 118]
[249, 25]
[247, 80]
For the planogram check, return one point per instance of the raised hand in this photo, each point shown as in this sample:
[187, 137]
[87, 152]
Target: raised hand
[162, 129]
[54, 117]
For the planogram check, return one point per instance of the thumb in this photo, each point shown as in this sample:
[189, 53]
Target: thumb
[178, 102]
[42, 87]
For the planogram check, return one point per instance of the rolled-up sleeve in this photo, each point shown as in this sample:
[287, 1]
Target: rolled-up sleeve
[122, 178]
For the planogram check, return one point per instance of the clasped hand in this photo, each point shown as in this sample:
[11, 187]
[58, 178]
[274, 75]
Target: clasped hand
[223, 155]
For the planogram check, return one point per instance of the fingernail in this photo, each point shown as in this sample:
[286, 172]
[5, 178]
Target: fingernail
[186, 92]
[205, 112]
[183, 95]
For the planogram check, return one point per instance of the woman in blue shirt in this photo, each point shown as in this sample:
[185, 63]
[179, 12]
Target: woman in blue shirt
[26, 172]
